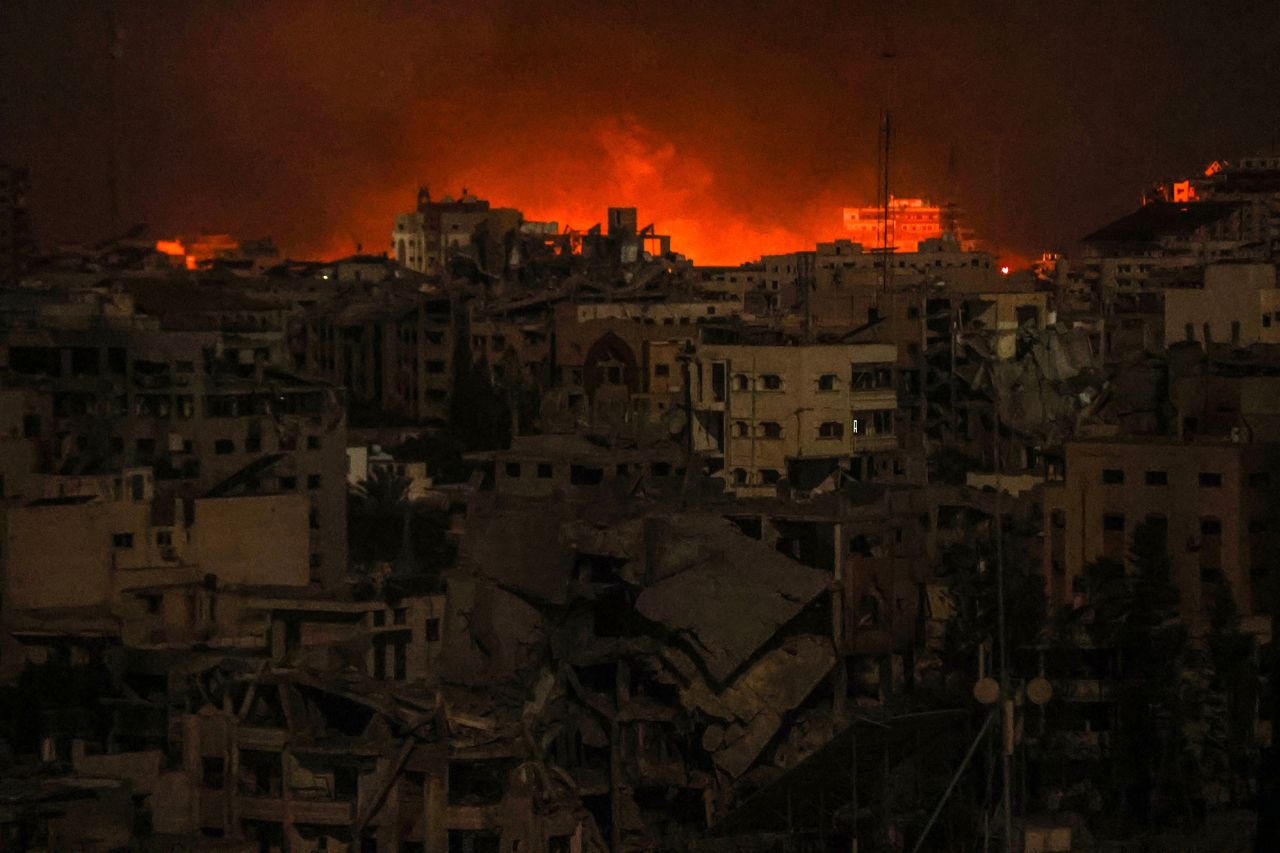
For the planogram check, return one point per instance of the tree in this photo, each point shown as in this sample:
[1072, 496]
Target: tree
[384, 526]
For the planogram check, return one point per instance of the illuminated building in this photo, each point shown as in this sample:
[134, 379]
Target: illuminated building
[421, 239]
[910, 221]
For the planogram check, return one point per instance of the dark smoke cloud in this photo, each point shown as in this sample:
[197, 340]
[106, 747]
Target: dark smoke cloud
[737, 126]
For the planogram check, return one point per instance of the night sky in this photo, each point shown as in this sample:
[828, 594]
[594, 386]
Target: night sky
[738, 129]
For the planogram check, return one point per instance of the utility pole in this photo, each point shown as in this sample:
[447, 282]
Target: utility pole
[1006, 699]
[115, 52]
[886, 131]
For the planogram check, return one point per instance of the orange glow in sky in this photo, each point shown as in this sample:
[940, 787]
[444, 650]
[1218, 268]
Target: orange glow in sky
[713, 217]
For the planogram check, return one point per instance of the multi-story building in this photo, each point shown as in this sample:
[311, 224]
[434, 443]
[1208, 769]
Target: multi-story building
[211, 420]
[422, 239]
[1239, 304]
[1252, 182]
[910, 221]
[800, 413]
[1214, 501]
[392, 352]
[1132, 264]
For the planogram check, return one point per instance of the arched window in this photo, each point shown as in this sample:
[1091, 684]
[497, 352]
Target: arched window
[739, 476]
[771, 429]
[831, 429]
[741, 429]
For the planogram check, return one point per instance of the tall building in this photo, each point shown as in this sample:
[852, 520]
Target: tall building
[910, 221]
[421, 239]
[212, 415]
[800, 413]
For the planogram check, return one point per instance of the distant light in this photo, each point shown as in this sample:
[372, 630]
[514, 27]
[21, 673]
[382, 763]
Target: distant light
[1004, 270]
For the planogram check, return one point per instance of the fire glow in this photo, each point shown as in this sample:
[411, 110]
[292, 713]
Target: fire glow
[711, 215]
[175, 249]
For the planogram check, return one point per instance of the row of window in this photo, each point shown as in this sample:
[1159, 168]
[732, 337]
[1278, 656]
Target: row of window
[1209, 525]
[1207, 479]
[862, 378]
[589, 475]
[124, 541]
[877, 422]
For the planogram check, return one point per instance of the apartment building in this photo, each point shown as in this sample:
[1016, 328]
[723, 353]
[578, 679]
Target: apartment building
[773, 412]
[391, 351]
[208, 419]
[1215, 501]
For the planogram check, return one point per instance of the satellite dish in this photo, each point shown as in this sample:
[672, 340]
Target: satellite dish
[1039, 691]
[987, 691]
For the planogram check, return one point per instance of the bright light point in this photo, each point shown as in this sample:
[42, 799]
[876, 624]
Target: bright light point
[1004, 270]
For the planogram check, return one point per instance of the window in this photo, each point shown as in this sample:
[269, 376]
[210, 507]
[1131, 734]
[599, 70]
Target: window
[741, 382]
[741, 429]
[313, 481]
[288, 484]
[827, 382]
[1210, 480]
[212, 771]
[771, 382]
[660, 469]
[872, 375]
[513, 469]
[121, 540]
[771, 429]
[164, 538]
[1157, 478]
[146, 446]
[152, 603]
[831, 429]
[875, 422]
[1210, 527]
[544, 470]
[223, 446]
[313, 519]
[739, 476]
[398, 615]
[585, 475]
[662, 370]
[1113, 544]
[769, 476]
[316, 561]
[432, 630]
[1113, 476]
[313, 442]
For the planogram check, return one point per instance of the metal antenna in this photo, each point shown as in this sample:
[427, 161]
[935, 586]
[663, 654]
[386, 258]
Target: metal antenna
[115, 51]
